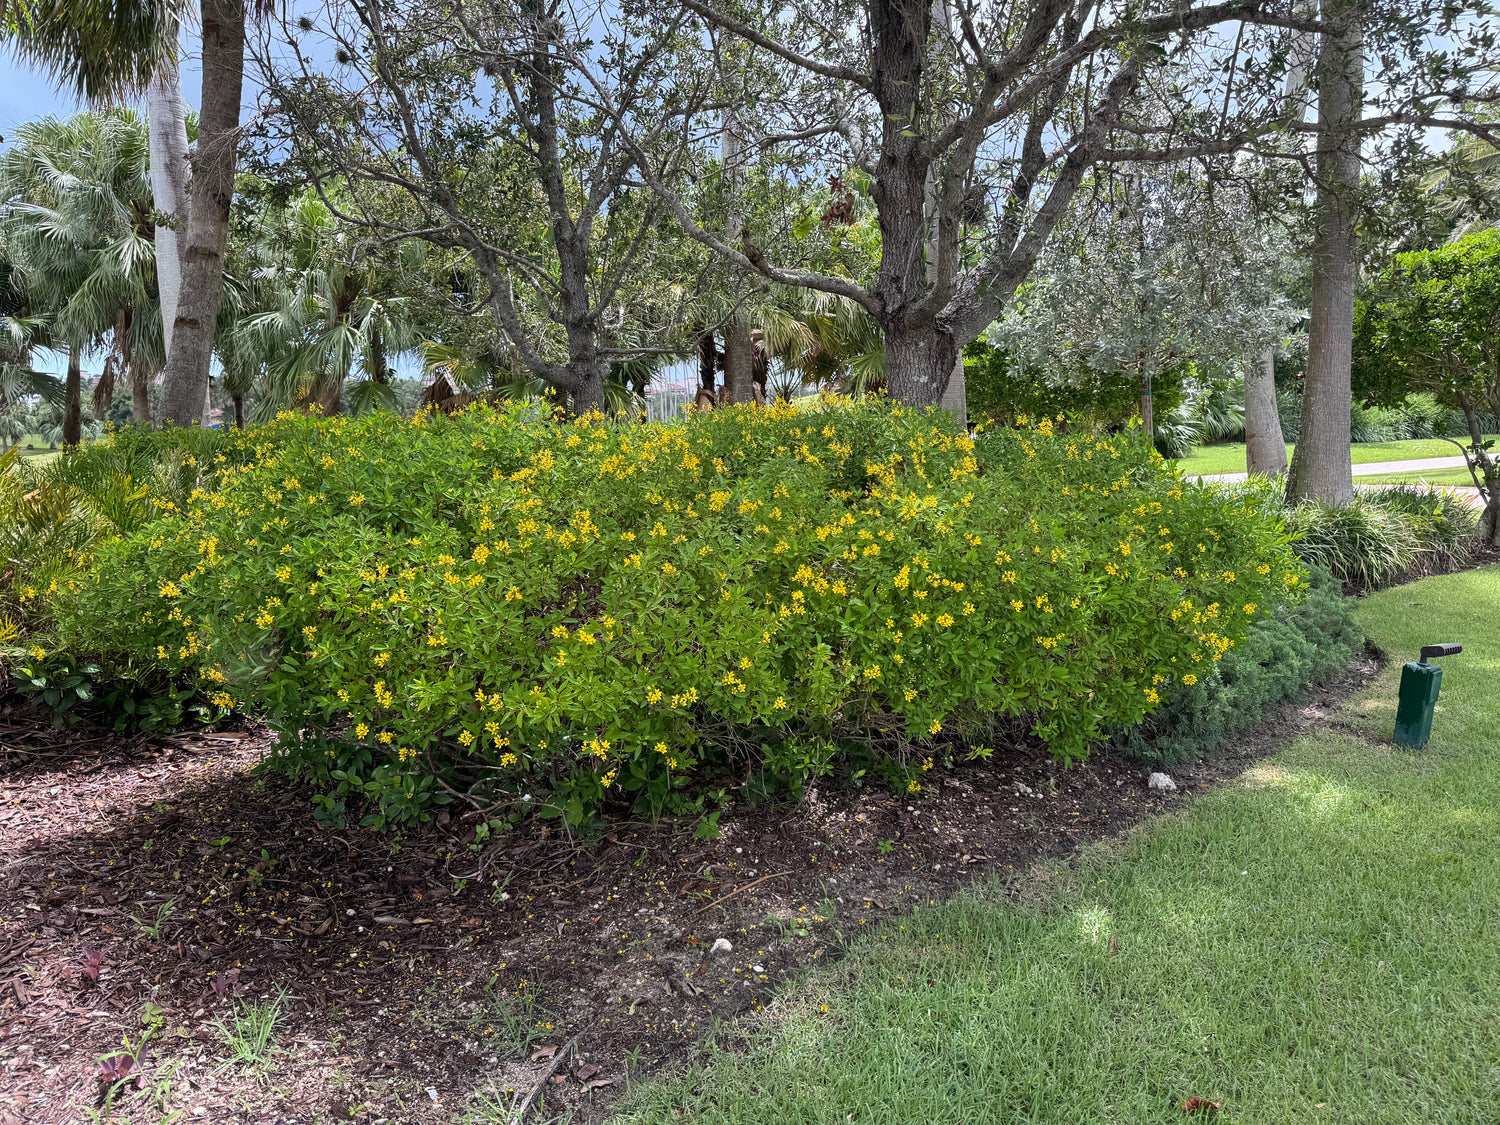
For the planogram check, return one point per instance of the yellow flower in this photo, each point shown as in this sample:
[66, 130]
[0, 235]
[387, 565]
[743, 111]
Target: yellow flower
[913, 787]
[386, 737]
[1017, 606]
[361, 730]
[357, 499]
[465, 738]
[934, 727]
[508, 759]
[668, 568]
[779, 704]
[944, 620]
[1190, 679]
[382, 659]
[1250, 609]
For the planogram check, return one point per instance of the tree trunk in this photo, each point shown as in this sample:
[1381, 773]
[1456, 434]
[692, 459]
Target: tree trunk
[167, 121]
[140, 394]
[209, 197]
[1321, 467]
[588, 395]
[912, 362]
[1148, 412]
[918, 357]
[72, 427]
[1485, 469]
[739, 349]
[1265, 449]
[239, 412]
[955, 398]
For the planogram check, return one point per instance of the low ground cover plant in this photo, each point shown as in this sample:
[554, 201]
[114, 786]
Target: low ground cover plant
[1298, 643]
[573, 613]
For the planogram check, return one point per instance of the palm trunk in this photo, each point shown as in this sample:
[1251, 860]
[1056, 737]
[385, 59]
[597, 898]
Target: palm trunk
[72, 427]
[166, 117]
[209, 197]
[239, 412]
[1265, 449]
[140, 394]
[1321, 467]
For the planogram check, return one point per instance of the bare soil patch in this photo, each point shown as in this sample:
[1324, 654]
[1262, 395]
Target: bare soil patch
[435, 977]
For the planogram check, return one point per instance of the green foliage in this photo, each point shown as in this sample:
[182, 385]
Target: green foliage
[1386, 535]
[57, 683]
[1286, 650]
[1000, 389]
[586, 612]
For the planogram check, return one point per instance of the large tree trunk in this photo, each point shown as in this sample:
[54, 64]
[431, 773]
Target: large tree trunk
[239, 412]
[1320, 467]
[1265, 449]
[209, 197]
[918, 358]
[167, 120]
[913, 363]
[72, 427]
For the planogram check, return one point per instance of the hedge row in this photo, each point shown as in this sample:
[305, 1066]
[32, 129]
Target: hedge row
[577, 612]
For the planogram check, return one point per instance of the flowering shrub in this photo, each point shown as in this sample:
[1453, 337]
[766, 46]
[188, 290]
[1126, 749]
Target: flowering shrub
[591, 609]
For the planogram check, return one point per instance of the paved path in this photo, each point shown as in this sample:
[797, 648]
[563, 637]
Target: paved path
[1374, 468]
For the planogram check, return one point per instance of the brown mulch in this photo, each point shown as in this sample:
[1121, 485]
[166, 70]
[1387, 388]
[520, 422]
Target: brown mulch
[424, 976]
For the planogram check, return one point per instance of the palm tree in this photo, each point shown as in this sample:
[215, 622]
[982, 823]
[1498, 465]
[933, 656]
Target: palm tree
[112, 47]
[106, 50]
[21, 333]
[825, 340]
[326, 308]
[1466, 189]
[76, 200]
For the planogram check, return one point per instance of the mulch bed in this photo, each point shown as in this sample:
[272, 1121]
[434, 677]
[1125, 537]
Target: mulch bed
[429, 975]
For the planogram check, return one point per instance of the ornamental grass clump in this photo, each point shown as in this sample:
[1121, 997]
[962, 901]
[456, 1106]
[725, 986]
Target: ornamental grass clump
[568, 614]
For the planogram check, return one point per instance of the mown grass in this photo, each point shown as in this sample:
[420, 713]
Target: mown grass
[1319, 941]
[1230, 457]
[1455, 476]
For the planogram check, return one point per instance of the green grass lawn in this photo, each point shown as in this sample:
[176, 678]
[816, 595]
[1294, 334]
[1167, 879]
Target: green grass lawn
[1230, 458]
[1319, 941]
[1429, 476]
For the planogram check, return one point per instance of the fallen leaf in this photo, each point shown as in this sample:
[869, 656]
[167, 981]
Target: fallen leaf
[595, 1083]
[584, 1071]
[543, 1052]
[1199, 1104]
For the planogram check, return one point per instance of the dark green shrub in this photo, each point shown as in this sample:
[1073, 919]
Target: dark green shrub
[1284, 652]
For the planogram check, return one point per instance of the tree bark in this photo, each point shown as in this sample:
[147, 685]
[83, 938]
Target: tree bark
[239, 412]
[739, 349]
[167, 121]
[1265, 449]
[1148, 412]
[72, 427]
[209, 197]
[1321, 468]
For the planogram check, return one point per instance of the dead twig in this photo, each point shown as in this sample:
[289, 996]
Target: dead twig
[738, 890]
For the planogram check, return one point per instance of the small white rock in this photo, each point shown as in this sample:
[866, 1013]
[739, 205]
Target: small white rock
[1161, 782]
[721, 945]
[432, 1093]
